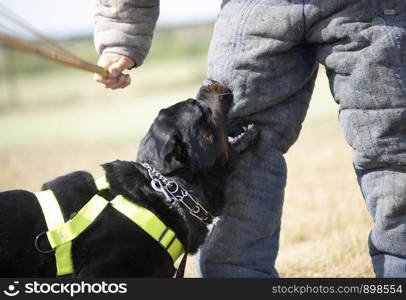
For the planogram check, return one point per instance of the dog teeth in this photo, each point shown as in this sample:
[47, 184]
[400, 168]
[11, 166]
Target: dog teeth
[236, 139]
[233, 140]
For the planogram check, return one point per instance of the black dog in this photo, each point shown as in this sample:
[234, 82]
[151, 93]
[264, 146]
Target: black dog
[187, 143]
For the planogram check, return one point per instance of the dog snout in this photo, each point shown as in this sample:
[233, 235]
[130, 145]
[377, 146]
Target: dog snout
[208, 82]
[213, 86]
[218, 96]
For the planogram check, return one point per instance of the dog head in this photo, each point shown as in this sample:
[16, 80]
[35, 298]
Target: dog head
[191, 135]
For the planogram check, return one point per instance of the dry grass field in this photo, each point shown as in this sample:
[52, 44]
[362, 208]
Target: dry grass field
[63, 121]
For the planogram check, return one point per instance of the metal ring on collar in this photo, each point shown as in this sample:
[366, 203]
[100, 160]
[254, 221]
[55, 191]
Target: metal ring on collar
[37, 246]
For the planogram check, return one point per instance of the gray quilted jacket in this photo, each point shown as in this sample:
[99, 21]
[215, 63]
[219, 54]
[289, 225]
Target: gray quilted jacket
[125, 27]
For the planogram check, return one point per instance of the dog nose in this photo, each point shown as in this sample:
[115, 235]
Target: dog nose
[217, 95]
[213, 86]
[208, 82]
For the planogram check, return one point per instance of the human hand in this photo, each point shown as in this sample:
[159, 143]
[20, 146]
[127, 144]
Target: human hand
[115, 64]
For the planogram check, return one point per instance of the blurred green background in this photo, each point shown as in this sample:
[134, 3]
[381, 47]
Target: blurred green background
[36, 90]
[55, 120]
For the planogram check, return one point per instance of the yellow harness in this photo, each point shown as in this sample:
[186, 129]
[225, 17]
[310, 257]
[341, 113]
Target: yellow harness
[61, 234]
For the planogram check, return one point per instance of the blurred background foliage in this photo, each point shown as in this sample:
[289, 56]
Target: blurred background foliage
[54, 120]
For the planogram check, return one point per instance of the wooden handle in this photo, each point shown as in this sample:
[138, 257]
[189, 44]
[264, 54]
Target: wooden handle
[25, 46]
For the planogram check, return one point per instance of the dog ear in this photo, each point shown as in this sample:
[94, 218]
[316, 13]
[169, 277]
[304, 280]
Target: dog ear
[162, 147]
[175, 157]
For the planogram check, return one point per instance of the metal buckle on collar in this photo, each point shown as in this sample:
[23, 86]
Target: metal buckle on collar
[175, 193]
[197, 209]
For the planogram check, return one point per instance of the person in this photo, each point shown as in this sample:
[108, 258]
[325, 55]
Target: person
[268, 52]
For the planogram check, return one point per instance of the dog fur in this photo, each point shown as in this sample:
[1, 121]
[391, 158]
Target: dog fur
[187, 143]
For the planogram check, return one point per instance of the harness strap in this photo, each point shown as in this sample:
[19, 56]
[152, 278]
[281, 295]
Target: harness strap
[50, 208]
[147, 220]
[60, 233]
[102, 183]
[75, 226]
[151, 224]
[54, 218]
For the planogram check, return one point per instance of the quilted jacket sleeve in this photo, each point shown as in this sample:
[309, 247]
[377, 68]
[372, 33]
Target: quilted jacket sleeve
[125, 27]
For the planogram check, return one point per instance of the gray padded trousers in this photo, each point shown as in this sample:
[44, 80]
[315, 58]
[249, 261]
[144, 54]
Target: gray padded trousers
[268, 51]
